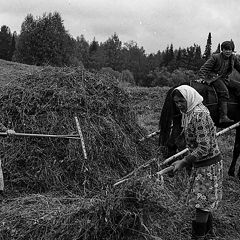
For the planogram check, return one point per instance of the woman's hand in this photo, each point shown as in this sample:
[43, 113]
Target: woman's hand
[10, 132]
[179, 164]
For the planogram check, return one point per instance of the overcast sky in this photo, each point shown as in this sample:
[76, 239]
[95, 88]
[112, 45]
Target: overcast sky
[152, 24]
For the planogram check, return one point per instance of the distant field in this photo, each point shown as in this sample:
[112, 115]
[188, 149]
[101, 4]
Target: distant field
[12, 71]
[147, 104]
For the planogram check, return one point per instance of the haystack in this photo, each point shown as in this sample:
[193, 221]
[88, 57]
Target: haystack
[46, 102]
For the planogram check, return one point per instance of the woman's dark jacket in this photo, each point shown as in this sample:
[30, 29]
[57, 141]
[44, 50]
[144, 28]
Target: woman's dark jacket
[215, 67]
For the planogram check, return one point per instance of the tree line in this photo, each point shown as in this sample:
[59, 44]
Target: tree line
[44, 41]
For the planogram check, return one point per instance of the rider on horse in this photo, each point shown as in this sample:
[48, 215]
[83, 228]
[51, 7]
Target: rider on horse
[216, 71]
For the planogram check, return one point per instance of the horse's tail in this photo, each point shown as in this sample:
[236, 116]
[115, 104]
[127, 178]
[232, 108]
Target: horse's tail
[166, 118]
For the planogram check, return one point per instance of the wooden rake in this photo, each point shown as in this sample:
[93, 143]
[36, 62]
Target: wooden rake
[173, 158]
[169, 160]
[41, 135]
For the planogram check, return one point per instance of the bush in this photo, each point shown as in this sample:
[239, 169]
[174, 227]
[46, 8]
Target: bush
[164, 78]
[112, 72]
[127, 77]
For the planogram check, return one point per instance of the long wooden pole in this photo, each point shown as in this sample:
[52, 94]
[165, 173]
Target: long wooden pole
[186, 149]
[127, 177]
[41, 135]
[150, 135]
[170, 159]
[165, 170]
[84, 153]
[81, 137]
[228, 128]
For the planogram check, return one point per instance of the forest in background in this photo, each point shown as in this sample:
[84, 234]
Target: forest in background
[44, 41]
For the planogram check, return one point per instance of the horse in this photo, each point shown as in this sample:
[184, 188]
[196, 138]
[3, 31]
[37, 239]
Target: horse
[171, 136]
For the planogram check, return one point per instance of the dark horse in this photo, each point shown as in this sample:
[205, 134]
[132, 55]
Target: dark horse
[170, 121]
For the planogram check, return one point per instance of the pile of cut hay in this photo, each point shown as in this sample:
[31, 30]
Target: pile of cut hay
[46, 102]
[125, 213]
[87, 207]
[62, 194]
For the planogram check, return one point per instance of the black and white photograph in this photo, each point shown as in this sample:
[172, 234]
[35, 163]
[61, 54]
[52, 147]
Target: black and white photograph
[119, 120]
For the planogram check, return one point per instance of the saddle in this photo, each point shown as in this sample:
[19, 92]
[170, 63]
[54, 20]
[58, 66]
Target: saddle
[209, 93]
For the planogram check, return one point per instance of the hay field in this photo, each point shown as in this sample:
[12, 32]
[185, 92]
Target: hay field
[11, 71]
[140, 209]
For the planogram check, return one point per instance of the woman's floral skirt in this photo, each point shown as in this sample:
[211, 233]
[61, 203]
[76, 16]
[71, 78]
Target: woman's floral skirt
[205, 187]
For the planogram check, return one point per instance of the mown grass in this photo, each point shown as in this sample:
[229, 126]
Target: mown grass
[144, 208]
[147, 104]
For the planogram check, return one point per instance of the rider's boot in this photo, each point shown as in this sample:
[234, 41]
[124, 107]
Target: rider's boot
[223, 113]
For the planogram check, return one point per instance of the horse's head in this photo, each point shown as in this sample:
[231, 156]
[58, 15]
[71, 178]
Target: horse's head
[171, 134]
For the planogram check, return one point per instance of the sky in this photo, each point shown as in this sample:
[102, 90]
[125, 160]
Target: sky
[152, 24]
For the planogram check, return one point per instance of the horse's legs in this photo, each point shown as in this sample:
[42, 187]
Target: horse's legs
[236, 152]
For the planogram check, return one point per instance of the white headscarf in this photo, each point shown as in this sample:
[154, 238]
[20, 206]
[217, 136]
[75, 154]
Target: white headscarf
[194, 103]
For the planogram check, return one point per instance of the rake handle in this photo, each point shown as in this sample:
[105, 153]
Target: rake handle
[170, 159]
[165, 170]
[41, 135]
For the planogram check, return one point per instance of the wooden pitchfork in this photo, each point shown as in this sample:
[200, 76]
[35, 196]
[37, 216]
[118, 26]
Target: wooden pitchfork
[170, 159]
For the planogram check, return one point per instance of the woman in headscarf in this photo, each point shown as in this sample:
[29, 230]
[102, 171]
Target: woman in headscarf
[205, 182]
[9, 132]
